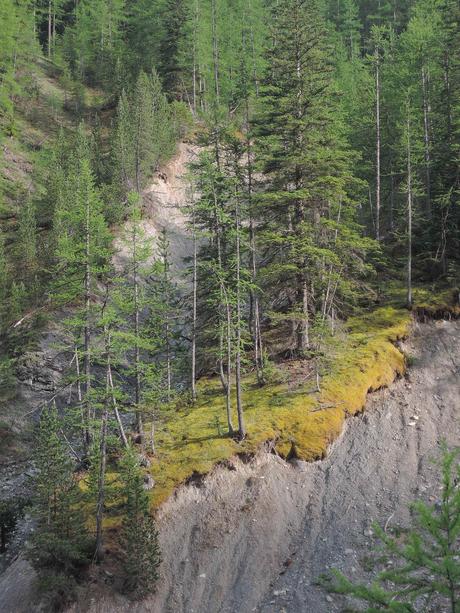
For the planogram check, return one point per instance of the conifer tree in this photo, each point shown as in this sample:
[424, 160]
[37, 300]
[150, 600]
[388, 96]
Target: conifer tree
[165, 289]
[60, 545]
[212, 220]
[95, 41]
[425, 568]
[139, 538]
[82, 255]
[144, 133]
[132, 302]
[306, 163]
[175, 16]
[17, 45]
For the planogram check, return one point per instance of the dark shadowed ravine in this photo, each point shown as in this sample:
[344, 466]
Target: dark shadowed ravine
[253, 537]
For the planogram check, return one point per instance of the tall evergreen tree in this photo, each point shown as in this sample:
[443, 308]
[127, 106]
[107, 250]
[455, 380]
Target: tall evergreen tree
[139, 538]
[174, 18]
[306, 164]
[82, 255]
[144, 135]
[60, 545]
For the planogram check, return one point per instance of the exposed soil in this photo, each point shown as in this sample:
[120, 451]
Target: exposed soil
[255, 536]
[164, 201]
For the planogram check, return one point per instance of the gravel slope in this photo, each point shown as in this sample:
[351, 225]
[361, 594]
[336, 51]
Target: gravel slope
[255, 537]
[382, 462]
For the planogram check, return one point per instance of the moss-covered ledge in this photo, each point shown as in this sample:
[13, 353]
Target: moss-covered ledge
[300, 421]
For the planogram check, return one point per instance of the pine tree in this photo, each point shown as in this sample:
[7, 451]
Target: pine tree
[143, 33]
[60, 545]
[144, 133]
[17, 45]
[447, 218]
[95, 42]
[424, 564]
[213, 223]
[139, 538]
[174, 18]
[166, 290]
[308, 181]
[82, 255]
[132, 302]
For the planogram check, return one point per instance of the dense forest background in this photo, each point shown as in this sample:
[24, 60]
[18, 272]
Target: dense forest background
[326, 181]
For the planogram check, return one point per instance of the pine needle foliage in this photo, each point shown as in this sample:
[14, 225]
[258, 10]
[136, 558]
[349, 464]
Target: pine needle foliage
[60, 545]
[139, 537]
[424, 568]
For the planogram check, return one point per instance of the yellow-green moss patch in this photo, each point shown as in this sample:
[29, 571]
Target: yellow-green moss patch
[301, 422]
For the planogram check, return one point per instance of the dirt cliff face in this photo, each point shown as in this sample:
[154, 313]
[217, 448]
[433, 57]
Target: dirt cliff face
[255, 536]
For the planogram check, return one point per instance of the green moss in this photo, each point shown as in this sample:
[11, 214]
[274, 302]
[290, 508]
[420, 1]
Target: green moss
[299, 423]
[430, 299]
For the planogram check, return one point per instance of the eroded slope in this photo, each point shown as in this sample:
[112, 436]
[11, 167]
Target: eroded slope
[256, 538]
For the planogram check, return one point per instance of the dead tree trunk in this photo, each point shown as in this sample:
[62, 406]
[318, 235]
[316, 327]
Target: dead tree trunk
[194, 305]
[137, 357]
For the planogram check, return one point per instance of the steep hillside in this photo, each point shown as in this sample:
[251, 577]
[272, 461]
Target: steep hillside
[255, 534]
[229, 296]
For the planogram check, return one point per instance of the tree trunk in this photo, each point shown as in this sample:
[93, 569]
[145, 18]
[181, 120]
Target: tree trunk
[392, 198]
[215, 51]
[167, 326]
[195, 38]
[87, 329]
[137, 357]
[303, 336]
[239, 399]
[77, 369]
[225, 379]
[228, 387]
[115, 408]
[255, 308]
[426, 140]
[99, 553]
[54, 28]
[168, 358]
[409, 211]
[378, 144]
[99, 550]
[49, 28]
[195, 305]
